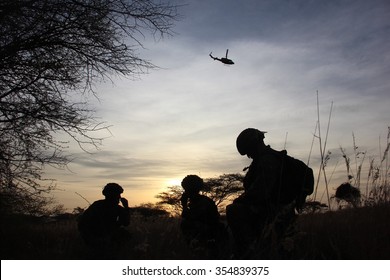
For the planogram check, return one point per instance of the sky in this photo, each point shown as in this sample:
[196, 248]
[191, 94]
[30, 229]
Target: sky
[296, 62]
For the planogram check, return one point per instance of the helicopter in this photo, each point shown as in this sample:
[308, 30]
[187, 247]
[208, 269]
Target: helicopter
[224, 60]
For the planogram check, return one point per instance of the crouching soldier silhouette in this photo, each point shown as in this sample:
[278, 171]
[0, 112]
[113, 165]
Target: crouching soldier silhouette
[261, 216]
[101, 225]
[200, 223]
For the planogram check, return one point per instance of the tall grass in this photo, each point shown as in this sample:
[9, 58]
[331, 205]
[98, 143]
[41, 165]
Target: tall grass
[361, 233]
[376, 184]
[322, 146]
[375, 188]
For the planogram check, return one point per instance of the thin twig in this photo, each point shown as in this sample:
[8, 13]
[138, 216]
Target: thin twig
[323, 152]
[83, 198]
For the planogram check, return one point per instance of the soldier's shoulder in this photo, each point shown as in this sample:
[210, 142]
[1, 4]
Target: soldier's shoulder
[98, 204]
[272, 156]
[207, 200]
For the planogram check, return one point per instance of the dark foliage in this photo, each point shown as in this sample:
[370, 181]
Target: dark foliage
[348, 193]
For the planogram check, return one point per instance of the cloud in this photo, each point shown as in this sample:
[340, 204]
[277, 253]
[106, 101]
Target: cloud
[184, 118]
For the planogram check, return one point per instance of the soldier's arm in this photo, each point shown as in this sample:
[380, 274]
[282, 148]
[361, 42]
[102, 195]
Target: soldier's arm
[184, 203]
[124, 216]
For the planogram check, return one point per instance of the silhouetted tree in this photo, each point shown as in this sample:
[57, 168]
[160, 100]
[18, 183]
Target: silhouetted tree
[349, 194]
[224, 188]
[149, 210]
[19, 200]
[171, 198]
[51, 53]
[221, 189]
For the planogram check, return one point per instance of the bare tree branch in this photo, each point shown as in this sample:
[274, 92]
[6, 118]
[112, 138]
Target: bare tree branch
[52, 51]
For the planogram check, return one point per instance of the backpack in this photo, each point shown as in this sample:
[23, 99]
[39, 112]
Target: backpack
[296, 181]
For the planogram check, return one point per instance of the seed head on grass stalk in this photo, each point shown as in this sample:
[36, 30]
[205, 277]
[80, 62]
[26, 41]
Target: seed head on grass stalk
[385, 166]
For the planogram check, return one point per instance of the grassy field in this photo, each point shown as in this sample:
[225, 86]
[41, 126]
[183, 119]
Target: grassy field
[360, 233]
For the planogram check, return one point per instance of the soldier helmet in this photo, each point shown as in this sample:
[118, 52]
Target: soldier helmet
[248, 139]
[111, 189]
[192, 183]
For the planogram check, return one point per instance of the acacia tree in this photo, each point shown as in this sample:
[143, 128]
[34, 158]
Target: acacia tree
[222, 189]
[50, 52]
[225, 188]
[171, 199]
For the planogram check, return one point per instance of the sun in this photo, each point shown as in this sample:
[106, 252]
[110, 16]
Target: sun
[174, 182]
